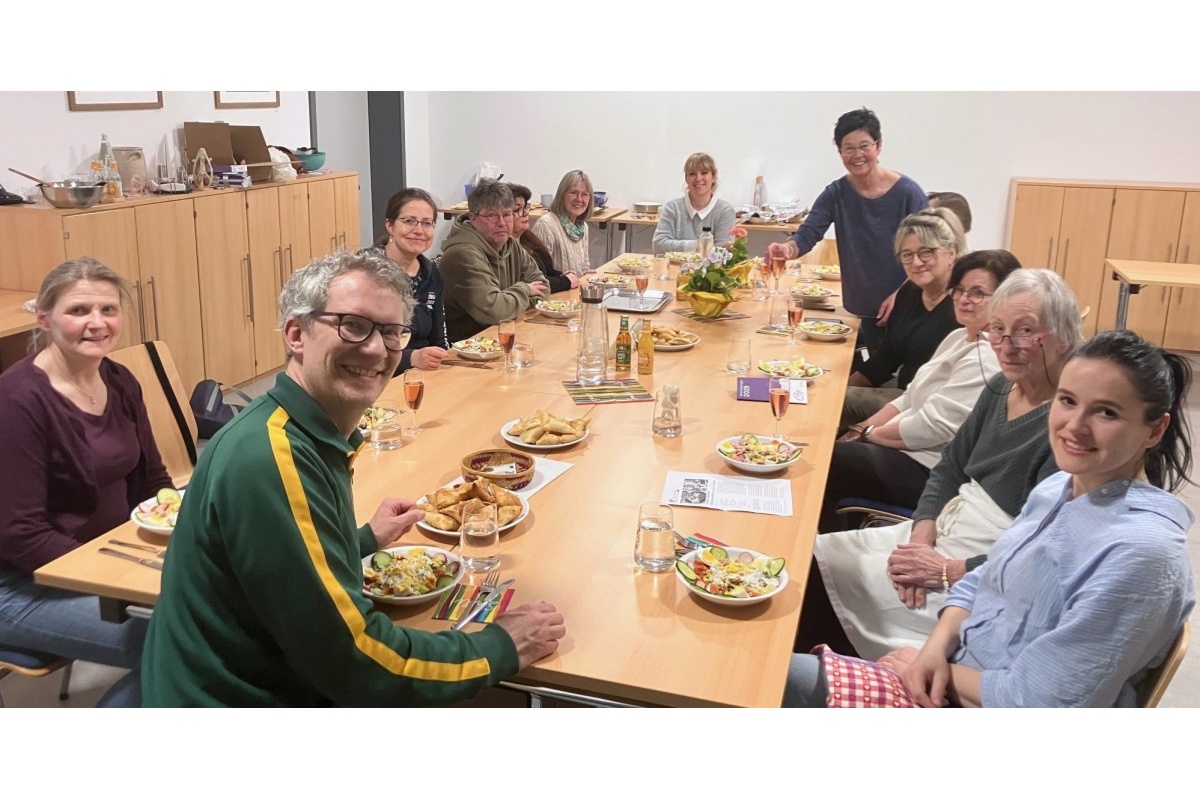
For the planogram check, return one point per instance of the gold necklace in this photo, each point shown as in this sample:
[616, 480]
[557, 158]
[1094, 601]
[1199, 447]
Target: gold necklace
[91, 397]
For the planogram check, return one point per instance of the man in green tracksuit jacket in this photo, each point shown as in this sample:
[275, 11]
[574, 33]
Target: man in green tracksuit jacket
[261, 599]
[488, 275]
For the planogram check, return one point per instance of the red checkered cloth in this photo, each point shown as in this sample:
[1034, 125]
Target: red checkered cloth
[854, 683]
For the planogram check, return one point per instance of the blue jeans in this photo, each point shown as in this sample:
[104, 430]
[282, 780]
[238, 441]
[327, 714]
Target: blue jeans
[68, 625]
[806, 686]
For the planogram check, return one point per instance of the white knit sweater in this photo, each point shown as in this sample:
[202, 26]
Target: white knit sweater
[568, 256]
[942, 394]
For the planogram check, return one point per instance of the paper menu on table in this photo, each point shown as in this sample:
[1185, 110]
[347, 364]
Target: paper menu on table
[728, 493]
[759, 389]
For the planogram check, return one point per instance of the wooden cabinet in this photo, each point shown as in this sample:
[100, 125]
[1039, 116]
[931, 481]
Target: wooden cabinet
[346, 212]
[294, 227]
[322, 219]
[266, 271]
[1183, 319]
[1073, 226]
[110, 237]
[226, 287]
[166, 238]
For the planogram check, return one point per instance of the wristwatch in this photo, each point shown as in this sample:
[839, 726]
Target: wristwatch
[866, 434]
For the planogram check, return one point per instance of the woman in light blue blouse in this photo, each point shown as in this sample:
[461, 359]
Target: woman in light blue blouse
[683, 219]
[1088, 589]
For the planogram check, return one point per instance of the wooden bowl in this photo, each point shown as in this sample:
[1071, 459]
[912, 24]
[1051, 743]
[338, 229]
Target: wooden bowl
[485, 463]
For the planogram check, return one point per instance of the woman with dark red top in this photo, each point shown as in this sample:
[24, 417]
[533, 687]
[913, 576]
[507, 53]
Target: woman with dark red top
[76, 455]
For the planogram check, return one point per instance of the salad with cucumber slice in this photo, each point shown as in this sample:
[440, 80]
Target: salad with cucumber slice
[715, 571]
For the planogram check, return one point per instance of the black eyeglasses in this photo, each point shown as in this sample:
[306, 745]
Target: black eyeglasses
[521, 211]
[974, 294]
[413, 222]
[356, 329]
[924, 255]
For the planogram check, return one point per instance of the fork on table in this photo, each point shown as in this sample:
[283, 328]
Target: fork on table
[485, 592]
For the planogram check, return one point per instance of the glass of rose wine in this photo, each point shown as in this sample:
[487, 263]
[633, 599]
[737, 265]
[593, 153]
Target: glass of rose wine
[641, 280]
[781, 395]
[414, 393]
[778, 267]
[507, 331]
[795, 317]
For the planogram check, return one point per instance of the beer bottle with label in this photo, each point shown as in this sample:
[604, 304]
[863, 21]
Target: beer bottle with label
[624, 347]
[645, 349]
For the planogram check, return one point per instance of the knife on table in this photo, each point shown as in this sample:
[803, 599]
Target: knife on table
[472, 364]
[149, 562]
[484, 605]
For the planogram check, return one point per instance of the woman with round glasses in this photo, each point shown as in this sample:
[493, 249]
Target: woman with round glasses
[887, 456]
[409, 222]
[683, 219]
[564, 230]
[926, 244]
[559, 281]
[866, 204]
[878, 589]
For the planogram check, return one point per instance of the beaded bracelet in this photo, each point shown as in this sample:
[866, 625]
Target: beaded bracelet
[945, 576]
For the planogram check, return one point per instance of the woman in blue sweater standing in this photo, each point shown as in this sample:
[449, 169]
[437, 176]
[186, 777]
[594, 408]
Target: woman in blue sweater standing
[867, 205]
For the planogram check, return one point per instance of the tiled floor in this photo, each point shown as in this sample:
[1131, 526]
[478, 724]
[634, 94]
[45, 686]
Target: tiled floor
[90, 680]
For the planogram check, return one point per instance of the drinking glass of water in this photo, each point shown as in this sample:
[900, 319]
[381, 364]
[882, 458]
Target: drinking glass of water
[480, 544]
[386, 431]
[654, 550]
[738, 360]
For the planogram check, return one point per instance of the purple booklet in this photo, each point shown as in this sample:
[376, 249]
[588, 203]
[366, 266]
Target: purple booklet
[759, 390]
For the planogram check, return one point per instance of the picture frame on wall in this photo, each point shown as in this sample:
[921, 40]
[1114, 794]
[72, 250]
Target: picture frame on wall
[246, 99]
[113, 101]
[131, 165]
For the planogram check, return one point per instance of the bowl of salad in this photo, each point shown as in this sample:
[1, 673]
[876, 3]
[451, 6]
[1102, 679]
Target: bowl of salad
[731, 576]
[785, 368]
[629, 264]
[558, 309]
[824, 331]
[758, 454]
[410, 575]
[478, 348]
[159, 513]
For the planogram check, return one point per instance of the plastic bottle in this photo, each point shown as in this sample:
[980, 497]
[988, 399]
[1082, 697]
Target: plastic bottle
[624, 347]
[645, 350]
[705, 242]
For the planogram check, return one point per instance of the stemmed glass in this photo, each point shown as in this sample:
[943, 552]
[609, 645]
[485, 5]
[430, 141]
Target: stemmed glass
[781, 395]
[414, 393]
[778, 267]
[795, 317]
[508, 335]
[641, 280]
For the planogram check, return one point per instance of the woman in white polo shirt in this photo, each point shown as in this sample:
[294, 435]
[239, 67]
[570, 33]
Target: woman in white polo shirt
[681, 220]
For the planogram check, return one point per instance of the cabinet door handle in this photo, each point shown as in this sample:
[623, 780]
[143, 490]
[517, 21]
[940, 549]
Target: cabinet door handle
[332, 243]
[343, 238]
[245, 261]
[1170, 248]
[1050, 253]
[250, 286]
[291, 268]
[137, 287]
[154, 300]
[1066, 257]
[278, 254]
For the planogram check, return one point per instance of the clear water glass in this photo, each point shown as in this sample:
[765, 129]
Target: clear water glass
[738, 360]
[389, 434]
[654, 550]
[480, 544]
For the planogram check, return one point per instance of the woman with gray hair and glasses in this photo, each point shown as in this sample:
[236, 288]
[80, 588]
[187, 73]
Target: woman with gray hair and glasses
[884, 586]
[564, 230]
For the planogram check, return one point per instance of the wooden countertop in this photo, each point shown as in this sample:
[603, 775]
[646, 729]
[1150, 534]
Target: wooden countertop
[13, 317]
[1156, 273]
[633, 635]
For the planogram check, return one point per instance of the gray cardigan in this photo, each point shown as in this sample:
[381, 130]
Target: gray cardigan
[679, 227]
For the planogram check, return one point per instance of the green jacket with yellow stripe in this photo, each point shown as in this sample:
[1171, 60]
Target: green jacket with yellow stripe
[261, 599]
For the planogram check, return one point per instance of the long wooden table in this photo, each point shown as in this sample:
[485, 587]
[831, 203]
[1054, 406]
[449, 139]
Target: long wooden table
[13, 316]
[635, 636]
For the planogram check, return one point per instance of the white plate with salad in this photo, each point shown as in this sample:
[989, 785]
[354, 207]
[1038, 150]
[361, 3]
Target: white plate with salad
[731, 576]
[478, 348]
[758, 454]
[160, 512]
[408, 575]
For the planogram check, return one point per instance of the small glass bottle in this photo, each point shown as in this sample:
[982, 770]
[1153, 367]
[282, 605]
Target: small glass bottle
[705, 243]
[109, 174]
[645, 350]
[624, 347]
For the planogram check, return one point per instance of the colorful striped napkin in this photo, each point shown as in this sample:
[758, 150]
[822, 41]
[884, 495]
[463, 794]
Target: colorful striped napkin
[460, 598]
[696, 540]
[727, 314]
[627, 391]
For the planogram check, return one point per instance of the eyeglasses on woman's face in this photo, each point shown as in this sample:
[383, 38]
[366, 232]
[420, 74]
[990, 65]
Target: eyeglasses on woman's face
[974, 294]
[925, 255]
[356, 329]
[850, 150]
[412, 222]
[1022, 339]
[521, 210]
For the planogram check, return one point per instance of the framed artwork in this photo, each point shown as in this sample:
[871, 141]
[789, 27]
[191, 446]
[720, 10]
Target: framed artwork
[131, 165]
[113, 101]
[246, 99]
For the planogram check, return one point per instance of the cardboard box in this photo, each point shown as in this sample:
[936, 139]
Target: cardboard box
[250, 147]
[229, 144]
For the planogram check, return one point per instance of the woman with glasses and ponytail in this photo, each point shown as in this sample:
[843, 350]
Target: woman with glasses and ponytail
[878, 589]
[887, 456]
[1088, 589]
[409, 224]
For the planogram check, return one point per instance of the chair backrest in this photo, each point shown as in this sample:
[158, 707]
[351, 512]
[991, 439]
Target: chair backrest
[824, 253]
[1157, 680]
[167, 405]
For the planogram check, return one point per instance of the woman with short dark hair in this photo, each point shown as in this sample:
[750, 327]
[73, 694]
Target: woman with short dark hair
[559, 282]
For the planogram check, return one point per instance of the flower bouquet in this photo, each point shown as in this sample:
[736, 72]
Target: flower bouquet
[709, 286]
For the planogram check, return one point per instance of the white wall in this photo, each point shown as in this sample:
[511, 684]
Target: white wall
[42, 137]
[633, 144]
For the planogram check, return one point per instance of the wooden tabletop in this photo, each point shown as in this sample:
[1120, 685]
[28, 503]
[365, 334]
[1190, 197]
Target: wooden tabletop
[630, 218]
[14, 318]
[1156, 273]
[600, 216]
[637, 636]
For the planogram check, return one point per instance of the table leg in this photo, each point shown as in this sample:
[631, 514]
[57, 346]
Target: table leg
[628, 231]
[113, 610]
[1123, 293]
[608, 250]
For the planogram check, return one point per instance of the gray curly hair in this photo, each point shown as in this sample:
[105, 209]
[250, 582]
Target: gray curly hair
[308, 290]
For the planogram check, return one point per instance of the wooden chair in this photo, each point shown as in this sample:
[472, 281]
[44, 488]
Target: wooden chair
[825, 253]
[1157, 680]
[35, 665]
[871, 513]
[167, 404]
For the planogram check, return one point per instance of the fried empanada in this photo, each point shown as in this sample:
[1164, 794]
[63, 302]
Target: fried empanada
[445, 497]
[559, 426]
[471, 507]
[532, 434]
[506, 499]
[483, 490]
[440, 521]
[507, 514]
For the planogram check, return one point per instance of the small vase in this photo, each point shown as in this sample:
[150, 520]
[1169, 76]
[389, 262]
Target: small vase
[708, 304]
